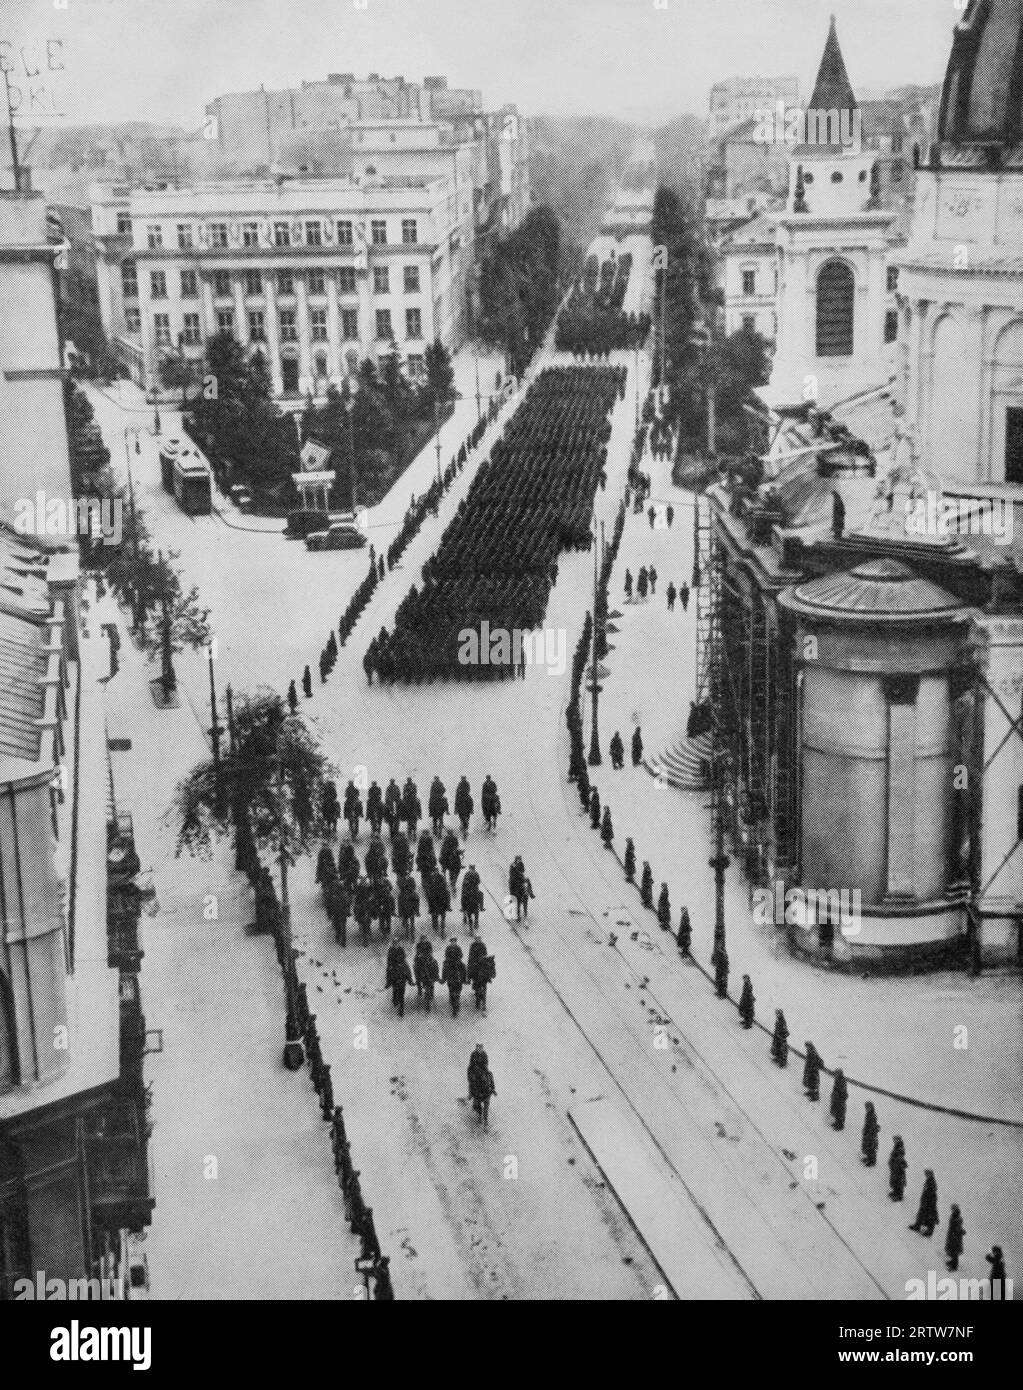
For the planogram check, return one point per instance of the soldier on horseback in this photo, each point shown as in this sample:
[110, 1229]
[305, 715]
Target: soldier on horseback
[408, 905]
[480, 970]
[451, 858]
[438, 803]
[411, 807]
[353, 809]
[519, 887]
[453, 973]
[481, 1083]
[463, 805]
[392, 806]
[472, 898]
[438, 900]
[375, 807]
[490, 803]
[363, 907]
[427, 970]
[398, 976]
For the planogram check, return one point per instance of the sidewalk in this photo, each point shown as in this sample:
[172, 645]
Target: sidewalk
[247, 1203]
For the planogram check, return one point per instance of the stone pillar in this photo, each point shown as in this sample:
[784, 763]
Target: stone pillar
[901, 803]
[305, 364]
[208, 312]
[334, 364]
[273, 336]
[240, 312]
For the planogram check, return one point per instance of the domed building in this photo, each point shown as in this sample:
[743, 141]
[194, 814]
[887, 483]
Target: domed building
[862, 645]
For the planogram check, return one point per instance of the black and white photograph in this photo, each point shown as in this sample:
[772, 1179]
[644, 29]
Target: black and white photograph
[511, 665]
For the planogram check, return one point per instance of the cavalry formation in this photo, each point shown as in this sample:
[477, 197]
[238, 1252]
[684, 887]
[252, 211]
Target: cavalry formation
[497, 560]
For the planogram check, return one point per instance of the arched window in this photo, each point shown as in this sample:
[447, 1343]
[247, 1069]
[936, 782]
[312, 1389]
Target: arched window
[835, 291]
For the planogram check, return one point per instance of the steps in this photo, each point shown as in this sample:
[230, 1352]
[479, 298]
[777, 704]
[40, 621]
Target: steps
[685, 765]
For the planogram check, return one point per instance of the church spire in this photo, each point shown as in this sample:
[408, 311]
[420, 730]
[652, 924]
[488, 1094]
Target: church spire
[833, 90]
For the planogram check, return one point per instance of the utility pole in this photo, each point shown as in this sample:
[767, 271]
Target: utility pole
[294, 1053]
[594, 754]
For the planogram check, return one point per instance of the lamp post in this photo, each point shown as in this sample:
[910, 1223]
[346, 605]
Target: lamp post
[350, 412]
[594, 754]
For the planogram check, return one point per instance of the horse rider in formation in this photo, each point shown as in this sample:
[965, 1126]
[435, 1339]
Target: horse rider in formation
[427, 971]
[438, 805]
[453, 975]
[490, 803]
[480, 971]
[464, 805]
[472, 898]
[519, 887]
[481, 1083]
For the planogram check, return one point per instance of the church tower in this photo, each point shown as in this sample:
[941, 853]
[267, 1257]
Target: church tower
[832, 246]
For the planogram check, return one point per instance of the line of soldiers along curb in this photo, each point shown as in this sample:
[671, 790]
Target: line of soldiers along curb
[600, 819]
[415, 514]
[371, 1264]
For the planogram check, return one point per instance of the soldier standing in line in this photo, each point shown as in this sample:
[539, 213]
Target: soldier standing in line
[307, 684]
[746, 1002]
[780, 1040]
[646, 887]
[630, 860]
[897, 1169]
[812, 1073]
[607, 833]
[927, 1212]
[292, 697]
[954, 1238]
[685, 932]
[637, 747]
[868, 1140]
[839, 1099]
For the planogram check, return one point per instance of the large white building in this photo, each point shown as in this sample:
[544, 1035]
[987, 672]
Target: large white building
[317, 274]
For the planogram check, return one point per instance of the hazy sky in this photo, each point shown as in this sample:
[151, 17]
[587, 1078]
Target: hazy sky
[162, 60]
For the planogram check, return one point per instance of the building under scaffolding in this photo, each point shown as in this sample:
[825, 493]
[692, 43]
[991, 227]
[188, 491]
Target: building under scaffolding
[865, 687]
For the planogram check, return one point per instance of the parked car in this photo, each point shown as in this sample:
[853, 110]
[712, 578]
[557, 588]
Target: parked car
[342, 535]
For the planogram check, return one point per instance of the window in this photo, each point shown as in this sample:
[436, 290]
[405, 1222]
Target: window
[416, 364]
[161, 329]
[191, 333]
[133, 320]
[346, 279]
[749, 282]
[221, 283]
[155, 237]
[250, 233]
[378, 232]
[285, 282]
[289, 333]
[318, 324]
[282, 234]
[383, 323]
[413, 323]
[892, 278]
[189, 284]
[835, 292]
[411, 279]
[749, 323]
[344, 234]
[409, 234]
[350, 323]
[225, 321]
[313, 234]
[320, 365]
[184, 236]
[253, 282]
[129, 280]
[381, 280]
[891, 326]
[218, 234]
[158, 284]
[257, 326]
[316, 282]
[1014, 444]
[124, 224]
[896, 171]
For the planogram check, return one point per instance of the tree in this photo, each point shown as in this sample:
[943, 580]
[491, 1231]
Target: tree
[440, 375]
[271, 781]
[174, 618]
[177, 371]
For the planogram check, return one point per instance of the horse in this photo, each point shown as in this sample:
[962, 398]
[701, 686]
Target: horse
[481, 1088]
